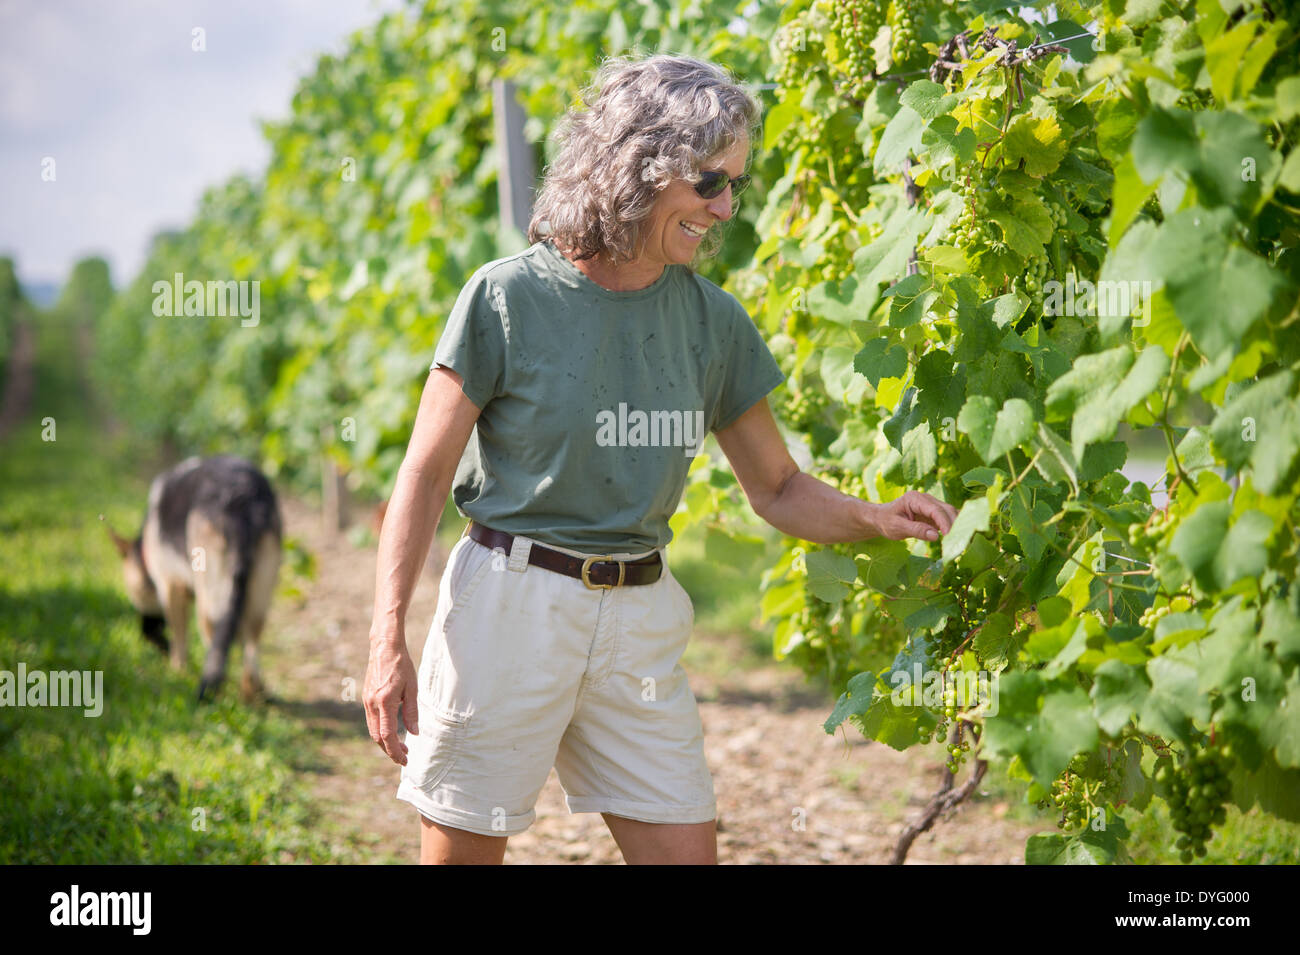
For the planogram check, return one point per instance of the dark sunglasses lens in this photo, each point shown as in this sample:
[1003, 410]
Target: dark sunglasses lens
[741, 184]
[710, 184]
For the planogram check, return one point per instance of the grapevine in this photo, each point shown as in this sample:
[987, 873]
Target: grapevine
[981, 390]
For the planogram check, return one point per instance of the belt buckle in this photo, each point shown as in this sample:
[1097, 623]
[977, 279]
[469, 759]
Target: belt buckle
[586, 569]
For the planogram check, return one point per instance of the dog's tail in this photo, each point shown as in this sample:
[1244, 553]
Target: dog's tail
[224, 632]
[248, 593]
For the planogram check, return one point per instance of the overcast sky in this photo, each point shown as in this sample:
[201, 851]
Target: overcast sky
[137, 123]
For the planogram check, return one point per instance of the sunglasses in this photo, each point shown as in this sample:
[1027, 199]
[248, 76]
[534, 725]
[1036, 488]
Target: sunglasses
[712, 182]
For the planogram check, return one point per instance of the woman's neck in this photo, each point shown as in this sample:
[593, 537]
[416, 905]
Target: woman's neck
[630, 277]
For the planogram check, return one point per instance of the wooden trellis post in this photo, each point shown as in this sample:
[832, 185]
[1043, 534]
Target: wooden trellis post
[516, 175]
[333, 486]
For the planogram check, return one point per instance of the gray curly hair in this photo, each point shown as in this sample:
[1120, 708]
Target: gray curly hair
[649, 121]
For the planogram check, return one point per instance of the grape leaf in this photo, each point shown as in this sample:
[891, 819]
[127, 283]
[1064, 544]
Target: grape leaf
[928, 99]
[1244, 551]
[878, 359]
[995, 432]
[1281, 730]
[1174, 700]
[973, 517]
[1218, 289]
[1045, 739]
[994, 643]
[1197, 540]
[829, 574]
[1099, 416]
[920, 453]
[854, 700]
[1037, 140]
[1118, 691]
[1281, 628]
[1089, 375]
[900, 139]
[941, 388]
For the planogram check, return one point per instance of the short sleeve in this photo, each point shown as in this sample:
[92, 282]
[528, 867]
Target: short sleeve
[750, 372]
[473, 342]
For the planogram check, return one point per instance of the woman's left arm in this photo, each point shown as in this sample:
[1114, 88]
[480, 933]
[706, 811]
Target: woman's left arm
[802, 506]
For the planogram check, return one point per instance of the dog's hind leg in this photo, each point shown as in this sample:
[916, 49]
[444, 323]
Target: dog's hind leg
[176, 608]
[203, 609]
[261, 588]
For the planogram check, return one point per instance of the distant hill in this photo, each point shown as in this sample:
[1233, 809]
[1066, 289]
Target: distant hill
[41, 294]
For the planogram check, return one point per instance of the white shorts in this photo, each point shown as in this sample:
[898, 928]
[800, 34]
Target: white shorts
[525, 668]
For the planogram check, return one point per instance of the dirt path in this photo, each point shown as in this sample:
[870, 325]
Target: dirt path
[772, 763]
[20, 376]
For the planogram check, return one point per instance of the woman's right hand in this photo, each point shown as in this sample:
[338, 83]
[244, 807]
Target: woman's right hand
[442, 429]
[390, 683]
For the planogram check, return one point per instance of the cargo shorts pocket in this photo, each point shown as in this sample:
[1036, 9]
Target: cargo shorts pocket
[435, 751]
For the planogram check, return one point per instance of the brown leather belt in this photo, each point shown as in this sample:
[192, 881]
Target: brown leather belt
[598, 572]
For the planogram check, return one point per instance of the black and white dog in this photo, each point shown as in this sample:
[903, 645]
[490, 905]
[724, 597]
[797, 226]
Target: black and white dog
[212, 534]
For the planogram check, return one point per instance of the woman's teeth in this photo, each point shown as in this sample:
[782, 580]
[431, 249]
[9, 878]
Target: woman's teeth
[692, 231]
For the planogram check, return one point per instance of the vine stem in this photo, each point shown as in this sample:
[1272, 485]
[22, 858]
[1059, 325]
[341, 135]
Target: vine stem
[830, 174]
[1021, 476]
[944, 800]
[1183, 341]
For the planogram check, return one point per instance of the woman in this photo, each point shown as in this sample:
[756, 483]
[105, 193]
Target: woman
[569, 392]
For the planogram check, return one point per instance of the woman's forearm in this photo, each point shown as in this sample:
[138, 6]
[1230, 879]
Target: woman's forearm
[812, 510]
[404, 540]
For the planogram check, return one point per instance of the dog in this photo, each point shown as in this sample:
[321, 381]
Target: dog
[212, 534]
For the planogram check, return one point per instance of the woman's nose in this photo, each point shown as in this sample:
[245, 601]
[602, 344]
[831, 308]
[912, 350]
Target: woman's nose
[720, 205]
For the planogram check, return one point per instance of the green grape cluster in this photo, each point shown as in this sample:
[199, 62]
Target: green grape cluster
[969, 230]
[1086, 784]
[1070, 795]
[856, 23]
[1197, 791]
[1031, 283]
[1034, 277]
[1145, 537]
[802, 409]
[795, 57]
[1058, 214]
[1153, 614]
[905, 43]
[957, 752]
[813, 620]
[837, 271]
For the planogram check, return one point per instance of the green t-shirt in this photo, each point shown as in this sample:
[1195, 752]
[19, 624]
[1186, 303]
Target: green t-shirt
[593, 402]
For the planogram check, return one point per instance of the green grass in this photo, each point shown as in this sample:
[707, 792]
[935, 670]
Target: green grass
[154, 778]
